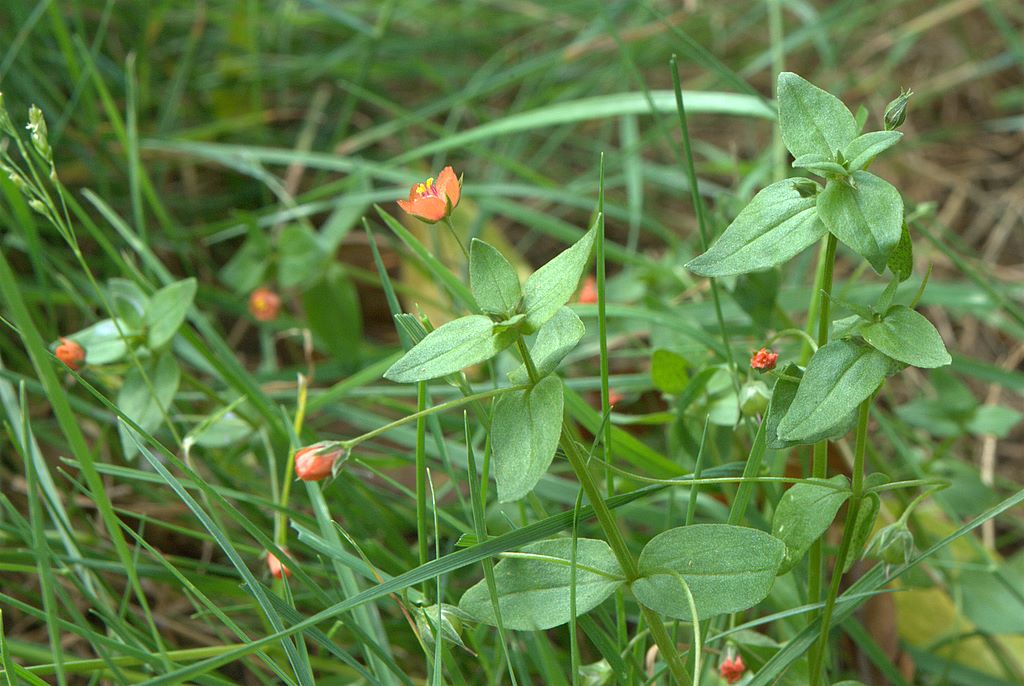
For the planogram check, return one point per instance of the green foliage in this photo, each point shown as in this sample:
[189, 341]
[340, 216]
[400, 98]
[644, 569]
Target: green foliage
[534, 586]
[812, 120]
[668, 371]
[865, 213]
[525, 428]
[453, 346]
[906, 336]
[804, 513]
[727, 569]
[551, 286]
[147, 395]
[166, 311]
[494, 281]
[556, 338]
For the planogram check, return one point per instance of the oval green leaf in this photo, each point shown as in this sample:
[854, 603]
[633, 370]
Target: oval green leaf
[556, 339]
[447, 349]
[777, 224]
[812, 120]
[727, 568]
[865, 213]
[867, 146]
[493, 280]
[907, 336]
[534, 587]
[167, 309]
[804, 513]
[782, 397]
[551, 286]
[838, 378]
[525, 428]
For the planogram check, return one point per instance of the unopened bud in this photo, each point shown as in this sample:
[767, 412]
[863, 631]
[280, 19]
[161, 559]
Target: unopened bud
[896, 111]
[70, 353]
[451, 624]
[320, 460]
[732, 669]
[763, 360]
[893, 544]
[39, 206]
[275, 566]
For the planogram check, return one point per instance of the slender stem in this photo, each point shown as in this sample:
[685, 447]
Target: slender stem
[856, 496]
[611, 530]
[457, 402]
[421, 475]
[281, 523]
[775, 32]
[820, 301]
[455, 235]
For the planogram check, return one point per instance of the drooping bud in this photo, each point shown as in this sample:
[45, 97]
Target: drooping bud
[732, 669]
[763, 360]
[320, 460]
[451, 624]
[896, 111]
[264, 304]
[70, 353]
[893, 544]
[275, 566]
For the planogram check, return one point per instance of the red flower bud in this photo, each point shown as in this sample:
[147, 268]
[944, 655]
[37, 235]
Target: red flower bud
[732, 670]
[264, 304]
[276, 568]
[70, 353]
[763, 360]
[588, 292]
[316, 462]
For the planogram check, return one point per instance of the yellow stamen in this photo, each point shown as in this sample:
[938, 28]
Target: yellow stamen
[421, 189]
[430, 182]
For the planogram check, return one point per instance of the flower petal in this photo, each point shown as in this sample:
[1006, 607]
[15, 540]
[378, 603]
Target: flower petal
[427, 209]
[449, 186]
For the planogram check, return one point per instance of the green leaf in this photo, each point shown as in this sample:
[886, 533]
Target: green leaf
[668, 371]
[302, 259]
[167, 310]
[838, 378]
[993, 420]
[142, 405]
[102, 342]
[334, 317]
[128, 302]
[906, 335]
[822, 165]
[556, 339]
[447, 349]
[865, 147]
[804, 513]
[727, 568]
[901, 261]
[494, 281]
[866, 515]
[812, 120]
[525, 428]
[992, 598]
[533, 592]
[782, 398]
[777, 224]
[247, 268]
[552, 285]
[866, 214]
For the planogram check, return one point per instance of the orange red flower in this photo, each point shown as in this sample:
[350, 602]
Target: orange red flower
[70, 353]
[588, 291]
[432, 201]
[732, 670]
[264, 304]
[763, 360]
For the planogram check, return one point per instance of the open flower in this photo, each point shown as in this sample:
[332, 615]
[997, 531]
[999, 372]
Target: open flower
[317, 461]
[276, 568]
[732, 670]
[264, 304]
[763, 360]
[70, 353]
[432, 201]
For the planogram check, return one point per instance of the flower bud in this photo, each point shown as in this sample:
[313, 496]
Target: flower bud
[893, 544]
[318, 461]
[896, 111]
[754, 397]
[732, 669]
[763, 360]
[451, 624]
[275, 566]
[264, 304]
[70, 353]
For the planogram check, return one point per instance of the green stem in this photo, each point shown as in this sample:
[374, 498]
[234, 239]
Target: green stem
[457, 402]
[455, 235]
[856, 495]
[421, 475]
[611, 530]
[821, 302]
